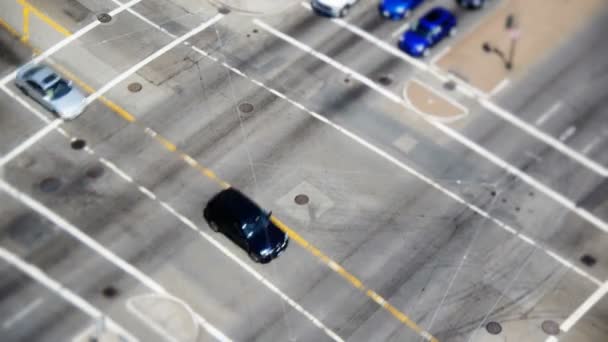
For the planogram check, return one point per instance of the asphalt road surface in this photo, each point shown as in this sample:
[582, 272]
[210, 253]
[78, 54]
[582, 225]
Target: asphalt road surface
[405, 234]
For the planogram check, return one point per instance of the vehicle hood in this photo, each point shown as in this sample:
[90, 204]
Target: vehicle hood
[70, 104]
[333, 3]
[414, 41]
[271, 238]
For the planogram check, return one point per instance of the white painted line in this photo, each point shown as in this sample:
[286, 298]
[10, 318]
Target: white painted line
[38, 275]
[26, 310]
[147, 192]
[101, 250]
[400, 30]
[546, 115]
[152, 57]
[584, 307]
[150, 323]
[500, 86]
[592, 144]
[43, 117]
[567, 133]
[440, 54]
[470, 91]
[116, 170]
[63, 43]
[582, 213]
[29, 142]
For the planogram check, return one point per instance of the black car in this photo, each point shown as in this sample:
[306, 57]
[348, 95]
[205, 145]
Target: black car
[471, 4]
[245, 223]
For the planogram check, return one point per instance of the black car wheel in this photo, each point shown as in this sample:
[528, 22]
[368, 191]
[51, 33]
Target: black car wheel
[214, 226]
[344, 11]
[254, 257]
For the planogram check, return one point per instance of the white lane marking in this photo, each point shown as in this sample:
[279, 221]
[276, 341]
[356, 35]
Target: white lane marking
[44, 118]
[116, 170]
[592, 144]
[584, 307]
[500, 87]
[38, 275]
[481, 97]
[101, 250]
[449, 100]
[549, 113]
[26, 310]
[567, 133]
[99, 92]
[400, 30]
[29, 142]
[584, 214]
[147, 192]
[63, 43]
[440, 54]
[150, 323]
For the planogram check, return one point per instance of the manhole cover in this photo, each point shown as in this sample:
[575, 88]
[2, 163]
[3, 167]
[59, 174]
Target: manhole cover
[224, 10]
[78, 144]
[246, 107]
[255, 31]
[493, 193]
[347, 80]
[449, 85]
[134, 87]
[109, 292]
[588, 260]
[104, 18]
[95, 172]
[50, 184]
[301, 199]
[550, 327]
[385, 80]
[494, 328]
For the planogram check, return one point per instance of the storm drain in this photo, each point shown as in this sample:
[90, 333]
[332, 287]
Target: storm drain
[134, 87]
[550, 327]
[494, 328]
[109, 292]
[385, 80]
[588, 260]
[104, 18]
[246, 107]
[95, 172]
[301, 199]
[78, 144]
[50, 184]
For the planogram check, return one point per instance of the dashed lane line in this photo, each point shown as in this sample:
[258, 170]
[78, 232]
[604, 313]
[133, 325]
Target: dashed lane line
[38, 275]
[110, 256]
[584, 308]
[558, 197]
[481, 97]
[34, 138]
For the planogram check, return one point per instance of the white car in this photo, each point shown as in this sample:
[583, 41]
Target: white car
[332, 8]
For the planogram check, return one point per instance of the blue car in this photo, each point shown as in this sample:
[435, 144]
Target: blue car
[437, 24]
[397, 9]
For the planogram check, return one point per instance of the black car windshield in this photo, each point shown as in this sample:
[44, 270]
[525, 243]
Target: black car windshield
[59, 89]
[252, 227]
[422, 30]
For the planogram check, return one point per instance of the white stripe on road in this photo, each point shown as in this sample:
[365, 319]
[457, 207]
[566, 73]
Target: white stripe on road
[468, 90]
[63, 43]
[584, 214]
[584, 307]
[44, 118]
[22, 313]
[29, 142]
[152, 57]
[101, 250]
[440, 54]
[400, 30]
[593, 144]
[549, 113]
[38, 275]
[500, 87]
[567, 134]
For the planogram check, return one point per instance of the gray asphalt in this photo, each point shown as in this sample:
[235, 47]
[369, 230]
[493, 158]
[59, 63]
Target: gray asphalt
[399, 236]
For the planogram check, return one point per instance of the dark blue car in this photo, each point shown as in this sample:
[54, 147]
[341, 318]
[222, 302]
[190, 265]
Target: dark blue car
[398, 9]
[437, 24]
[245, 223]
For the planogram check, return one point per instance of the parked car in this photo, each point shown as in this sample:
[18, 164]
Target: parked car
[46, 87]
[246, 224]
[471, 4]
[434, 26]
[398, 9]
[332, 8]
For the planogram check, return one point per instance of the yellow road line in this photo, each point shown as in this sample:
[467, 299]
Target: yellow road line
[52, 23]
[9, 28]
[26, 24]
[169, 146]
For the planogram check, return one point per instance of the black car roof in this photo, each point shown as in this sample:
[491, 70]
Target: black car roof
[236, 204]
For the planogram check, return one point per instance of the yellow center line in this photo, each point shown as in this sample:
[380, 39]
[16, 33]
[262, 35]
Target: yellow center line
[293, 235]
[26, 24]
[52, 23]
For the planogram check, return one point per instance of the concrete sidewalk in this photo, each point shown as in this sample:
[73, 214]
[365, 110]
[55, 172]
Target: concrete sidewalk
[542, 25]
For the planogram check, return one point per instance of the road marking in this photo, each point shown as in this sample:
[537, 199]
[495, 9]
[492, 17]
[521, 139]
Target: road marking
[500, 87]
[29, 142]
[584, 307]
[152, 57]
[567, 133]
[39, 276]
[400, 30]
[582, 213]
[101, 250]
[150, 323]
[44, 118]
[26, 310]
[26, 24]
[69, 36]
[449, 100]
[481, 97]
[440, 54]
[546, 115]
[593, 144]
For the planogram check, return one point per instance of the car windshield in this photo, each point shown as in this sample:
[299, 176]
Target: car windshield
[59, 89]
[254, 226]
[422, 30]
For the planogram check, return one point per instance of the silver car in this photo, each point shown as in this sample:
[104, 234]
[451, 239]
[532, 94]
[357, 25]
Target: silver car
[46, 87]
